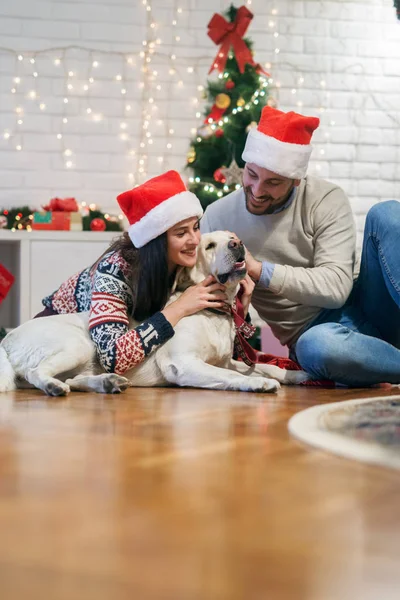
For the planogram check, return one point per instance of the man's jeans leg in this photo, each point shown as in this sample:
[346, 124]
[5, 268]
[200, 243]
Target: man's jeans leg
[359, 344]
[377, 290]
[334, 351]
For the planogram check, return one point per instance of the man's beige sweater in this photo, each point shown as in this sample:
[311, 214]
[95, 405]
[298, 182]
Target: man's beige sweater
[312, 244]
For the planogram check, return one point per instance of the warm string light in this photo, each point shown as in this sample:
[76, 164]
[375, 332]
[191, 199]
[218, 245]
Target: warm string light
[146, 54]
[77, 83]
[296, 91]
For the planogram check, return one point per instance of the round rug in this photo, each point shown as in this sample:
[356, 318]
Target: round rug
[367, 430]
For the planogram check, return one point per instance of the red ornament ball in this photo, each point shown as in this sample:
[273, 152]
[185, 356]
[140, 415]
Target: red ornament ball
[97, 225]
[219, 176]
[219, 133]
[230, 85]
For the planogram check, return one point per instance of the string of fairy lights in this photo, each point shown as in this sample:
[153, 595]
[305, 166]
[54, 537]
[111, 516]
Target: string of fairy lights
[146, 82]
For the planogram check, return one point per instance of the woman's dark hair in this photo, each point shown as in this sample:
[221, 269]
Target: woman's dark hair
[148, 274]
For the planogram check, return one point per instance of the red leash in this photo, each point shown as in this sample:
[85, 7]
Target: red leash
[250, 356]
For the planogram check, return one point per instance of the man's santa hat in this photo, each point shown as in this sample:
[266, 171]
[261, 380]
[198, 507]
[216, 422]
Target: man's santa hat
[157, 205]
[281, 142]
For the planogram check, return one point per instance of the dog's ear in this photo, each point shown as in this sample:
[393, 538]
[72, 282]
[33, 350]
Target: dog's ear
[182, 280]
[185, 277]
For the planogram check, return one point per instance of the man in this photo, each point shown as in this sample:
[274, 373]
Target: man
[301, 251]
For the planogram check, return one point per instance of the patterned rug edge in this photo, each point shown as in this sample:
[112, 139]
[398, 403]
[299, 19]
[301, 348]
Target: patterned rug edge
[304, 427]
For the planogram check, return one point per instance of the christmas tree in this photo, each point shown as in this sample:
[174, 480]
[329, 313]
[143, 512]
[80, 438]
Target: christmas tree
[235, 100]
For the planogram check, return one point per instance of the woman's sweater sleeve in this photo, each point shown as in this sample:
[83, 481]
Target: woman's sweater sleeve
[118, 347]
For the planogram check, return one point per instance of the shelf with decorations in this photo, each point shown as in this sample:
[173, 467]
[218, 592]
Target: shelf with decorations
[61, 214]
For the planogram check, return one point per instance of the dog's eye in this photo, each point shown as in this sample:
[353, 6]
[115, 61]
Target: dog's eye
[210, 245]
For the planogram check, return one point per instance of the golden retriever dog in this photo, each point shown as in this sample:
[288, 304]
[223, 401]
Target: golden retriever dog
[56, 354]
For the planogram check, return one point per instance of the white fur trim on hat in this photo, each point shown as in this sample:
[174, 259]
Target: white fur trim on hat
[167, 214]
[283, 158]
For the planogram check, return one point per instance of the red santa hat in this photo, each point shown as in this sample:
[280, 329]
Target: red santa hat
[157, 205]
[281, 142]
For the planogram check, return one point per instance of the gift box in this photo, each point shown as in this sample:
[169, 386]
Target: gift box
[57, 221]
[6, 281]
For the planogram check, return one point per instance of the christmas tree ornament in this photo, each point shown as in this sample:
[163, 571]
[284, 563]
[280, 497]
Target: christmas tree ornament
[251, 125]
[241, 101]
[219, 176]
[223, 101]
[205, 131]
[97, 225]
[191, 155]
[233, 173]
[230, 84]
[219, 133]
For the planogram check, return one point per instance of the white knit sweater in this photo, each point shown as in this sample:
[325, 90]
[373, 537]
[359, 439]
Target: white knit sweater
[312, 244]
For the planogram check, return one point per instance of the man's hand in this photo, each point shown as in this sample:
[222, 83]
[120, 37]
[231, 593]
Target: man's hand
[253, 266]
[247, 284]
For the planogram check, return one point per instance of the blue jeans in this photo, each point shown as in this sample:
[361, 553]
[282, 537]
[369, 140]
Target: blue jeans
[359, 344]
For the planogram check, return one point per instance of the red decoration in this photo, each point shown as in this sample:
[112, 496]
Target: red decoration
[62, 204]
[216, 114]
[219, 133]
[6, 281]
[219, 176]
[230, 84]
[97, 225]
[231, 34]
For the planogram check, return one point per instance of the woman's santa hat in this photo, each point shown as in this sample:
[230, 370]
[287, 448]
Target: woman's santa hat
[281, 142]
[157, 205]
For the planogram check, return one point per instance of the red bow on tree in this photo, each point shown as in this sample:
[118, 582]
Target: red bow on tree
[231, 34]
[62, 204]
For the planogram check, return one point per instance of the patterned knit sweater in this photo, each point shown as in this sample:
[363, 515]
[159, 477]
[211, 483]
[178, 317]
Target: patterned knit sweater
[107, 295]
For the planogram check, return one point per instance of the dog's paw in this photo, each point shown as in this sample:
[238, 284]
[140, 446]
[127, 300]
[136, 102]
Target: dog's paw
[57, 388]
[296, 377]
[262, 384]
[114, 384]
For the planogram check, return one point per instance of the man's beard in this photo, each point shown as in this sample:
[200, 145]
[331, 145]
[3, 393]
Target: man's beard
[275, 203]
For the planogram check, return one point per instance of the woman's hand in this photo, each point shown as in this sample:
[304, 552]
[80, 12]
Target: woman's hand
[248, 286]
[206, 294]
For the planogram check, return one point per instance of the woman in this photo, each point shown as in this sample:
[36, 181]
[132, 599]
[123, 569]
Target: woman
[135, 276]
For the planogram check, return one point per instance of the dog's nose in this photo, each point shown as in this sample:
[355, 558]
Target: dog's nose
[234, 244]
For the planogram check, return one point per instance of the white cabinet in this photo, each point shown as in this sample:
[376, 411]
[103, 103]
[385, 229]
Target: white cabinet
[40, 262]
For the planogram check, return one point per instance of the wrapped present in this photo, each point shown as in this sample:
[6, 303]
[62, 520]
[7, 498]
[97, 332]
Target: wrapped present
[6, 281]
[62, 204]
[57, 221]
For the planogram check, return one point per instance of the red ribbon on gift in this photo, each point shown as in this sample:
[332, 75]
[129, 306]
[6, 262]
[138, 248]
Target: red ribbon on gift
[231, 34]
[62, 205]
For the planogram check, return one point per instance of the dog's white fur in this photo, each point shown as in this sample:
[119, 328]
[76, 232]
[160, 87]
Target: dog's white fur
[56, 354]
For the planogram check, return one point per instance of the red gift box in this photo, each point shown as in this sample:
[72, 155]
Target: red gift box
[6, 281]
[57, 221]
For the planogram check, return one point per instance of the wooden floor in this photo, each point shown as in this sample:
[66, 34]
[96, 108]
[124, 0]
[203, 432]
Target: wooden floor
[188, 495]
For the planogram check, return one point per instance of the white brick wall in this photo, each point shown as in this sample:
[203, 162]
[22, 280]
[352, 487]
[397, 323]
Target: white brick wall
[339, 60]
